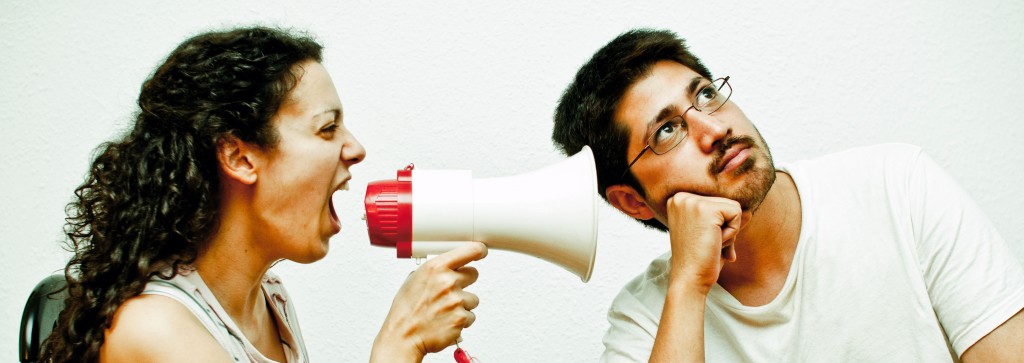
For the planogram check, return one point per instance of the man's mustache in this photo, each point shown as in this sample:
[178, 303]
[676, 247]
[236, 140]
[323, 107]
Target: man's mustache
[713, 167]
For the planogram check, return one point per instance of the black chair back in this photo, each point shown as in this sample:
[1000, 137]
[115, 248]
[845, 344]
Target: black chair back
[40, 316]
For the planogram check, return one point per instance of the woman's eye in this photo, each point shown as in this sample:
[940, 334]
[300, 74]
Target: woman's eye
[329, 129]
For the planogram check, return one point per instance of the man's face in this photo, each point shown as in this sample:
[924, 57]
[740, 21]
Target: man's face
[723, 155]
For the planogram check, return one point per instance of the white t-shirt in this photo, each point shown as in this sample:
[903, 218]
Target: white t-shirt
[895, 263]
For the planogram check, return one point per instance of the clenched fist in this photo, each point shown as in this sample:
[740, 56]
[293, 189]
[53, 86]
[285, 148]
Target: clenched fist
[432, 307]
[702, 231]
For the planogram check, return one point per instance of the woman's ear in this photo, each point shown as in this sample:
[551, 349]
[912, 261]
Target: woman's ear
[628, 200]
[236, 159]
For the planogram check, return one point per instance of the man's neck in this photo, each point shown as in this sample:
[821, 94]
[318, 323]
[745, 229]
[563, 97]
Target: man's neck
[765, 246]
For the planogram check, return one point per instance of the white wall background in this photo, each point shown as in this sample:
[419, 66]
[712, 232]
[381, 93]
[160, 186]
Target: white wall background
[472, 85]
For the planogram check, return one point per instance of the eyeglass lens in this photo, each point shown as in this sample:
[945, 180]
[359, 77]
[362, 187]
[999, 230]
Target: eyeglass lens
[708, 100]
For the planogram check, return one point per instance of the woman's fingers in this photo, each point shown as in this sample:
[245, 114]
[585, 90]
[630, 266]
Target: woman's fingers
[466, 275]
[470, 319]
[459, 257]
[469, 300]
[433, 303]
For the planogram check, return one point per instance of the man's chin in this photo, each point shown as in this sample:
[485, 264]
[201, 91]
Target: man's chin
[755, 188]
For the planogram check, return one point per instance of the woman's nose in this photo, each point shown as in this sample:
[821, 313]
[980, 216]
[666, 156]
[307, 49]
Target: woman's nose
[352, 152]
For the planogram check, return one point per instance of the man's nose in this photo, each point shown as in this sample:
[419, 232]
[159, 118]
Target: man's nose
[706, 130]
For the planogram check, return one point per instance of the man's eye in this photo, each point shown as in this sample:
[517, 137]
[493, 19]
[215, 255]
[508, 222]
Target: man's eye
[665, 133]
[706, 96]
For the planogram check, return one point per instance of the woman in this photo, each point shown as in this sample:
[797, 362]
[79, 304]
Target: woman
[231, 165]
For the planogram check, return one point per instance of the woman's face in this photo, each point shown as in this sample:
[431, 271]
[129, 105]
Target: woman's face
[301, 173]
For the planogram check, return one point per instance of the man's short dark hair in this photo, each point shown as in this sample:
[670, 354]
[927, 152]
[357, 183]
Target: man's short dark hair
[585, 113]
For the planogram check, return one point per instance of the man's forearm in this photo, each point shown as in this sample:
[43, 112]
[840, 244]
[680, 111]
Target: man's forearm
[680, 335]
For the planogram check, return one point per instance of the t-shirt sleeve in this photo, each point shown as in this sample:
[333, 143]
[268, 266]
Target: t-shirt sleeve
[630, 337]
[974, 281]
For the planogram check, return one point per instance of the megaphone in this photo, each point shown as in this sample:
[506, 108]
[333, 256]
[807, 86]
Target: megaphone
[549, 213]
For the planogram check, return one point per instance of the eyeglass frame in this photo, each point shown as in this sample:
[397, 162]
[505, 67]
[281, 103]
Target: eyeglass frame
[693, 105]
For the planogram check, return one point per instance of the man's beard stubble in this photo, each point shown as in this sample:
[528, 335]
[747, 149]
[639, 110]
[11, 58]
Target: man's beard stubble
[753, 191]
[751, 194]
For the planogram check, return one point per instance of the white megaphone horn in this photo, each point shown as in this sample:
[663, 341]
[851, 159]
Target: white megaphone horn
[549, 213]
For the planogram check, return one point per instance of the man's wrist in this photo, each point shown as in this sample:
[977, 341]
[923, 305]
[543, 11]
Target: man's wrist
[688, 283]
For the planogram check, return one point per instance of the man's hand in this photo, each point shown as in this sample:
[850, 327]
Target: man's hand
[702, 231]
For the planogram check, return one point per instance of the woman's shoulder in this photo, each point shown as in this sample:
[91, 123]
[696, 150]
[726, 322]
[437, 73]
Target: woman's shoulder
[156, 328]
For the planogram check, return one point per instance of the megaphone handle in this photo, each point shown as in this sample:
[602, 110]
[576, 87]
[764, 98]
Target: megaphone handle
[421, 249]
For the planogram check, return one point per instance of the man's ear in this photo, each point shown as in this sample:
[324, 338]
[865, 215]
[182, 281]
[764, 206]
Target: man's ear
[236, 159]
[628, 200]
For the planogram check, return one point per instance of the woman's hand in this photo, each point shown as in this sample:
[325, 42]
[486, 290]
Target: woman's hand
[431, 309]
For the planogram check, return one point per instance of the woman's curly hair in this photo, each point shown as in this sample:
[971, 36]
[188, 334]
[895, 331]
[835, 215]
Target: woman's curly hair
[150, 199]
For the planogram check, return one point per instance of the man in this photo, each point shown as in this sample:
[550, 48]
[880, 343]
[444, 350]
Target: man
[869, 255]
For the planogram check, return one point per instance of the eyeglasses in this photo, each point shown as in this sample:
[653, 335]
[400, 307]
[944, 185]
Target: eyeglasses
[672, 132]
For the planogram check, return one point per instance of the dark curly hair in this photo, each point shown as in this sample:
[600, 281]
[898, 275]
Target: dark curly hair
[150, 199]
[585, 112]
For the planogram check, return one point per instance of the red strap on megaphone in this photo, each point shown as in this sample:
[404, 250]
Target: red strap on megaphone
[461, 356]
